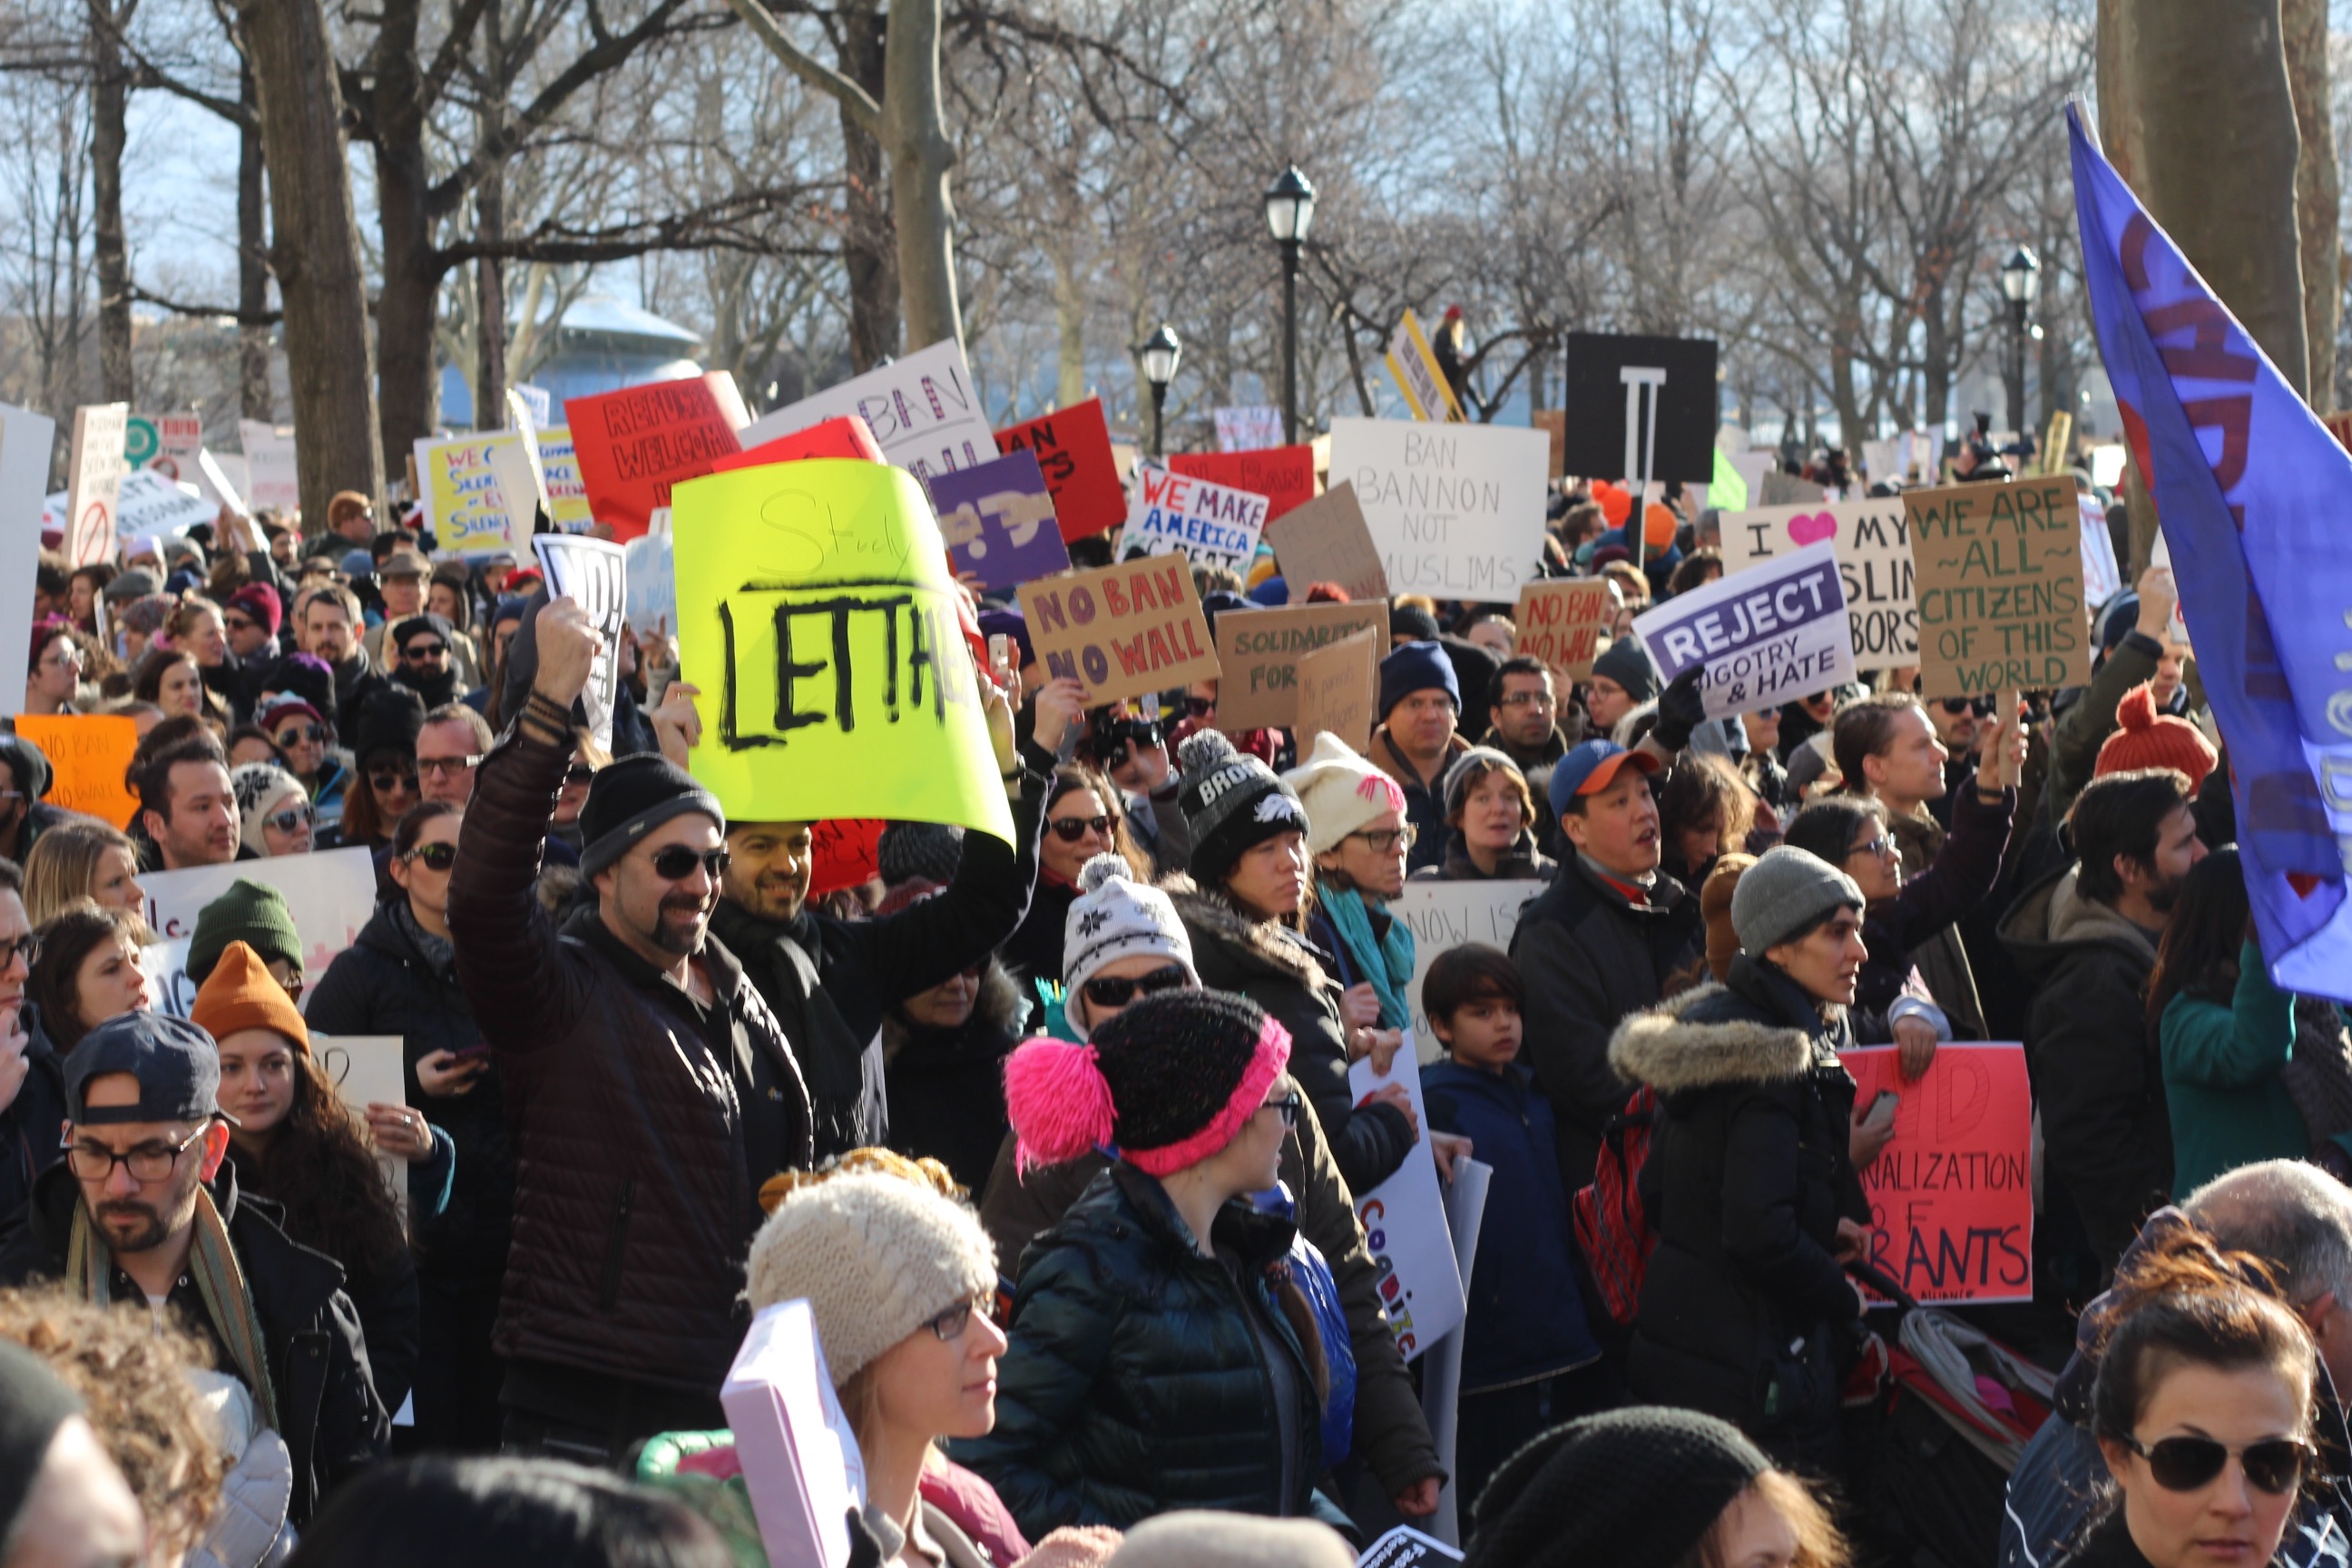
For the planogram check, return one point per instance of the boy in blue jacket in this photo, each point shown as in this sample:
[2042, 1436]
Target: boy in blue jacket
[1529, 1360]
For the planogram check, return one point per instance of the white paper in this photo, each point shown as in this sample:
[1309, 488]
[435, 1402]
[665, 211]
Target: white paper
[1456, 510]
[1767, 636]
[2103, 579]
[800, 1457]
[1872, 539]
[1404, 1224]
[1443, 915]
[151, 504]
[1249, 428]
[651, 571]
[1441, 1369]
[923, 409]
[26, 441]
[94, 482]
[595, 573]
[271, 478]
[330, 894]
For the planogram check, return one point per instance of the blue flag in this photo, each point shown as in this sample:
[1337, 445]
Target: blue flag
[2251, 492]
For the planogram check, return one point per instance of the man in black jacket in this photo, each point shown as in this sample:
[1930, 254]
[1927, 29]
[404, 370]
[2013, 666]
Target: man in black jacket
[142, 1209]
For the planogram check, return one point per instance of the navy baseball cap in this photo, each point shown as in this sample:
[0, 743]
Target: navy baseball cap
[1591, 767]
[175, 1062]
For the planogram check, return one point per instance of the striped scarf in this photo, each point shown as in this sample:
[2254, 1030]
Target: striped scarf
[220, 1280]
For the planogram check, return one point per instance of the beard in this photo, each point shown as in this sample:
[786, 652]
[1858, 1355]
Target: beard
[679, 924]
[148, 1229]
[2162, 896]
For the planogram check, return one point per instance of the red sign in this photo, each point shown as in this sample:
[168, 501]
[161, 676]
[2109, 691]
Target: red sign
[847, 854]
[1073, 448]
[632, 444]
[1951, 1195]
[1285, 476]
[846, 437]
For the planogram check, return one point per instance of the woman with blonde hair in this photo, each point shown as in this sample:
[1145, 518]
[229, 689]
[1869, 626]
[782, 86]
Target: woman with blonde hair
[81, 858]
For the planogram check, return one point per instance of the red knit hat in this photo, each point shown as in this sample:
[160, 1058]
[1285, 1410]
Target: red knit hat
[2150, 739]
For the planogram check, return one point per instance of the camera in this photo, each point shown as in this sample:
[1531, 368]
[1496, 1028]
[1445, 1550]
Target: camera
[1110, 735]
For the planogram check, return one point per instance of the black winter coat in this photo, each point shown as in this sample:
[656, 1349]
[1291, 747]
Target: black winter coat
[1134, 1383]
[383, 984]
[1034, 951]
[1966, 864]
[32, 1127]
[1747, 1179]
[947, 1086]
[1290, 978]
[327, 1412]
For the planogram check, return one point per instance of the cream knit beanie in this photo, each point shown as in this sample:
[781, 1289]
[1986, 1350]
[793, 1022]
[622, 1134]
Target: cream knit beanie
[1340, 791]
[877, 1257]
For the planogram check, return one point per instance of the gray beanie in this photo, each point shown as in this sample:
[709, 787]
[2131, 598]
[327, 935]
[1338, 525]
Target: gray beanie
[1627, 663]
[1786, 892]
[1470, 766]
[930, 850]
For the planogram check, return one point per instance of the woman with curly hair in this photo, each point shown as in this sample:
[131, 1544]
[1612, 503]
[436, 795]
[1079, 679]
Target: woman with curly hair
[296, 1143]
[1706, 810]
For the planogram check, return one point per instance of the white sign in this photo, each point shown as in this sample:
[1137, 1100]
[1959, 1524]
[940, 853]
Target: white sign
[536, 403]
[1441, 1370]
[1404, 1224]
[369, 1069]
[1209, 524]
[593, 573]
[1879, 463]
[2102, 578]
[271, 478]
[149, 503]
[1248, 428]
[170, 444]
[26, 441]
[651, 574]
[1768, 635]
[331, 896]
[1443, 915]
[1872, 539]
[94, 482]
[1456, 510]
[923, 409]
[799, 1452]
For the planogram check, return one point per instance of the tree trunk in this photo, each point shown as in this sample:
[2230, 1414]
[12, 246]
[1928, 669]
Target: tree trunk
[413, 269]
[1935, 372]
[490, 224]
[254, 400]
[922, 160]
[1070, 321]
[317, 252]
[2318, 205]
[870, 243]
[110, 99]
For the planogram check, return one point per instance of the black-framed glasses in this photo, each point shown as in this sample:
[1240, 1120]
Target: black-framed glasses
[1881, 846]
[578, 773]
[418, 652]
[448, 767]
[1385, 840]
[1070, 829]
[1103, 991]
[439, 856]
[676, 863]
[148, 1161]
[26, 947]
[2184, 1464]
[293, 733]
[390, 779]
[1529, 700]
[288, 820]
[1200, 707]
[949, 1325]
[1287, 1107]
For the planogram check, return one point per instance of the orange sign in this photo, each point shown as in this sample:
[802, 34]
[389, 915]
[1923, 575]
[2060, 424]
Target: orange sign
[87, 752]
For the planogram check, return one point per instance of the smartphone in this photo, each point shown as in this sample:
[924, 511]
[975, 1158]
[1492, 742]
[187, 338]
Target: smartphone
[1888, 1101]
[1000, 650]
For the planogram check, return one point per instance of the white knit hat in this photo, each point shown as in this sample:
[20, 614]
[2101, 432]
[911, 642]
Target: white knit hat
[877, 1257]
[1340, 791]
[260, 789]
[1114, 917]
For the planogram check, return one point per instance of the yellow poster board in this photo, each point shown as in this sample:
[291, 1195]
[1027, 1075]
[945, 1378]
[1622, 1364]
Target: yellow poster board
[461, 495]
[567, 492]
[1413, 367]
[816, 614]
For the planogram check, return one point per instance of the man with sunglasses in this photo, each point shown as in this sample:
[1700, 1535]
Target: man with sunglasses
[650, 1091]
[143, 1211]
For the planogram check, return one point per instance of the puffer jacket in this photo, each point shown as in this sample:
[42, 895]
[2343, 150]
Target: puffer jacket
[1290, 978]
[634, 1202]
[1747, 1179]
[1391, 1433]
[947, 1086]
[1134, 1382]
[384, 984]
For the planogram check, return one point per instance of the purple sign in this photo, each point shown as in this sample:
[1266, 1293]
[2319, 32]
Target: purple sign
[1768, 634]
[998, 520]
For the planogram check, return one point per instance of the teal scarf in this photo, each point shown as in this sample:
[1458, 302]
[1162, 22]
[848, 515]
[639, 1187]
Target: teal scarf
[1387, 962]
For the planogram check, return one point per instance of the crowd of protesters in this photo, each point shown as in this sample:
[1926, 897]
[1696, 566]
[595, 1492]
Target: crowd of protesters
[1057, 1136]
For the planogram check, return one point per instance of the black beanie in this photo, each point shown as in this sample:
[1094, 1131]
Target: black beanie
[1231, 802]
[390, 722]
[1175, 1064]
[1632, 1489]
[34, 1403]
[632, 796]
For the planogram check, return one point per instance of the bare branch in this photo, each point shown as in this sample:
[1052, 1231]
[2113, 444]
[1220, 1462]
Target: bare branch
[854, 99]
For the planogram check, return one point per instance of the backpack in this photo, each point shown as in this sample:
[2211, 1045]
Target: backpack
[1613, 1228]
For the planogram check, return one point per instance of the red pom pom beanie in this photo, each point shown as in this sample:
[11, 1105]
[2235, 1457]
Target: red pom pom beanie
[2150, 740]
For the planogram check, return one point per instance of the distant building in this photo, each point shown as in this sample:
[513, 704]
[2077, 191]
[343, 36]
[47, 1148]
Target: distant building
[602, 346]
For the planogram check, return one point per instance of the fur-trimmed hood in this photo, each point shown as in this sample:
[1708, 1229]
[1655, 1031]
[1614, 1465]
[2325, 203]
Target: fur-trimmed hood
[1704, 1038]
[1209, 919]
[997, 1013]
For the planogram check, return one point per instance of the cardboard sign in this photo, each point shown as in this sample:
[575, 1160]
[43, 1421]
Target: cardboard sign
[1553, 422]
[844, 854]
[1559, 621]
[26, 439]
[1260, 650]
[1872, 539]
[1121, 630]
[921, 410]
[1404, 1227]
[1326, 541]
[1207, 523]
[998, 519]
[330, 894]
[1456, 513]
[1241, 429]
[1337, 684]
[465, 504]
[2000, 587]
[87, 753]
[1414, 368]
[1443, 915]
[94, 482]
[1640, 407]
[593, 573]
[799, 1452]
[1952, 1197]
[149, 503]
[636, 444]
[559, 467]
[1073, 448]
[272, 477]
[846, 437]
[1773, 633]
[1285, 476]
[816, 613]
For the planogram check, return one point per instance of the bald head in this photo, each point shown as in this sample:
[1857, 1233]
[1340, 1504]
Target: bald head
[2292, 1216]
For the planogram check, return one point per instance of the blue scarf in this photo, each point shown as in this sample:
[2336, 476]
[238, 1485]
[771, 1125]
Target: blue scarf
[1387, 962]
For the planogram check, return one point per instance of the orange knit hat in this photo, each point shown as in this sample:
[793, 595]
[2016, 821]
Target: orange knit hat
[2147, 740]
[241, 993]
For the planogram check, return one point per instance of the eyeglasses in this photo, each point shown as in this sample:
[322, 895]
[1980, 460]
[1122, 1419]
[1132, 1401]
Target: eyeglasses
[676, 863]
[239, 623]
[1385, 840]
[2184, 1464]
[1530, 699]
[148, 1161]
[1070, 829]
[419, 652]
[392, 779]
[440, 857]
[293, 733]
[448, 767]
[67, 658]
[1288, 1106]
[950, 1324]
[288, 820]
[27, 947]
[1103, 991]
[1956, 706]
[578, 773]
[1881, 846]
[1200, 707]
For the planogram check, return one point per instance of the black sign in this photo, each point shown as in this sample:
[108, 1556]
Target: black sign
[1623, 391]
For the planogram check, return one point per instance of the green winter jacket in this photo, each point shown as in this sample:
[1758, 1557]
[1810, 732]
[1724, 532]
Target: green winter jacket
[2229, 1106]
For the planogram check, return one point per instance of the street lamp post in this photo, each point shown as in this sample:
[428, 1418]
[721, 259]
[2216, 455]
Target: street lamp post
[1160, 353]
[2021, 281]
[1289, 209]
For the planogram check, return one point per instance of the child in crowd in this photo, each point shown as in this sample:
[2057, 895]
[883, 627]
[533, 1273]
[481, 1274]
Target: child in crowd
[1529, 1360]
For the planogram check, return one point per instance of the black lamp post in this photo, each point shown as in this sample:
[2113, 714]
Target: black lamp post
[1160, 353]
[1289, 208]
[2021, 282]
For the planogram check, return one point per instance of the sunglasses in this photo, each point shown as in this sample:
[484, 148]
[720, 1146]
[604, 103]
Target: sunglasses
[1956, 706]
[418, 652]
[578, 773]
[239, 623]
[436, 857]
[448, 767]
[1200, 707]
[2185, 1464]
[386, 782]
[676, 863]
[288, 820]
[1070, 829]
[296, 733]
[1104, 992]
